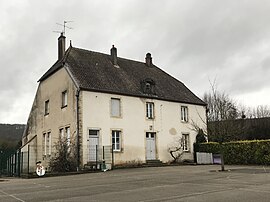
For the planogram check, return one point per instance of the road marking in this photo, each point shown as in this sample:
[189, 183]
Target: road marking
[10, 195]
[185, 195]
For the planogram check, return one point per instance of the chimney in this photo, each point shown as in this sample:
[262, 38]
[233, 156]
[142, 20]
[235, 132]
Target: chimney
[114, 55]
[61, 46]
[148, 60]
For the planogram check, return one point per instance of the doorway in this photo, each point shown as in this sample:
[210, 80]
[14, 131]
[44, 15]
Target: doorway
[150, 146]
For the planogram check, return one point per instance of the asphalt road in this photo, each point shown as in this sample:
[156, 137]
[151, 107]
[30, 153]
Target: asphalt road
[176, 183]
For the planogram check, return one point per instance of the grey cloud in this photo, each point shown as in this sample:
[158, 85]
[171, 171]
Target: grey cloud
[193, 40]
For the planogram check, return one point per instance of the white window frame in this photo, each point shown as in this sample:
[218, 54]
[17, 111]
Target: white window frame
[48, 143]
[67, 133]
[115, 103]
[64, 99]
[44, 142]
[116, 145]
[186, 142]
[150, 110]
[62, 133]
[184, 113]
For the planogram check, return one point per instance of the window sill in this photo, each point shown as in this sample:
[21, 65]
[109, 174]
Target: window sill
[63, 106]
[117, 117]
[118, 151]
[46, 114]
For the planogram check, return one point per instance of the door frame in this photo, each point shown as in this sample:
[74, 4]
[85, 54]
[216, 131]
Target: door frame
[155, 145]
[97, 136]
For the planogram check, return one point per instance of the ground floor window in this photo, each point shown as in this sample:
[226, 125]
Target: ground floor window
[46, 144]
[65, 135]
[116, 140]
[185, 140]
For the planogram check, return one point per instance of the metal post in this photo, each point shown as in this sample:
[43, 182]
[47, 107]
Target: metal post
[15, 163]
[112, 157]
[103, 153]
[1, 162]
[19, 163]
[28, 160]
[12, 166]
[96, 156]
[22, 162]
[7, 163]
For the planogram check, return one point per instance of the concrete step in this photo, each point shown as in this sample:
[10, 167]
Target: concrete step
[155, 162]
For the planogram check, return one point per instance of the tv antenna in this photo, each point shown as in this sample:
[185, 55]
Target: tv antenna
[64, 26]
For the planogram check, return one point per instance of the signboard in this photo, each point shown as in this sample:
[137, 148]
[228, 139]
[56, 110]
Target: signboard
[40, 169]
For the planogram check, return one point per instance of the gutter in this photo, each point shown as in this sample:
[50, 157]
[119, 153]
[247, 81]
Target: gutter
[78, 127]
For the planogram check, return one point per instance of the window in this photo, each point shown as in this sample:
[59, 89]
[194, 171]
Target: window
[185, 139]
[93, 132]
[65, 135]
[68, 135]
[115, 107]
[47, 107]
[184, 113]
[150, 110]
[148, 86]
[64, 99]
[116, 140]
[61, 133]
[46, 144]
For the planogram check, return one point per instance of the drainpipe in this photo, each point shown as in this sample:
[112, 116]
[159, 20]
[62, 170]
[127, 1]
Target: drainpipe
[78, 127]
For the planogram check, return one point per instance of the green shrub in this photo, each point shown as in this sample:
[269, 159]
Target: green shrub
[239, 152]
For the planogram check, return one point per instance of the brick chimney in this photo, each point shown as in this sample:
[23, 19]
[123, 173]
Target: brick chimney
[114, 55]
[61, 46]
[148, 60]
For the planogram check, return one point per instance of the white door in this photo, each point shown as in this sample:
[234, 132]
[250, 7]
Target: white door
[150, 146]
[93, 145]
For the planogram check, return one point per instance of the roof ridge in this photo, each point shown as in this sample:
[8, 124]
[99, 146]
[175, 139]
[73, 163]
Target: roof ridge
[122, 58]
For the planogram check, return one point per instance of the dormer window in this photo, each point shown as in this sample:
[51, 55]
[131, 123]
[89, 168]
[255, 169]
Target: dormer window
[148, 86]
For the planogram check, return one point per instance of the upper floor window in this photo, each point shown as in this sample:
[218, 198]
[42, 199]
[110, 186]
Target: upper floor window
[184, 113]
[47, 107]
[64, 99]
[115, 107]
[150, 110]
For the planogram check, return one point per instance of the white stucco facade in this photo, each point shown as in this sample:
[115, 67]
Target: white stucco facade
[95, 114]
[133, 124]
[58, 117]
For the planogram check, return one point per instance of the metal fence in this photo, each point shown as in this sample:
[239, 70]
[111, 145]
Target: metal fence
[16, 164]
[100, 157]
[20, 162]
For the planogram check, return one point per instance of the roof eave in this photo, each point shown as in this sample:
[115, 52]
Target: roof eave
[142, 96]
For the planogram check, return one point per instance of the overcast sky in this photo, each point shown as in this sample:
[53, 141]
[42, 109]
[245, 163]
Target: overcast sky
[193, 40]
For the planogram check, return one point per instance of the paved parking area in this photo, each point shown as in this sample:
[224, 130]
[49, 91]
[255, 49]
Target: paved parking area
[175, 183]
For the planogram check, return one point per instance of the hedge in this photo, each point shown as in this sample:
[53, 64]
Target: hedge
[239, 152]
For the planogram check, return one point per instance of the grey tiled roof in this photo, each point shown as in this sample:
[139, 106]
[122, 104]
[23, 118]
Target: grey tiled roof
[95, 71]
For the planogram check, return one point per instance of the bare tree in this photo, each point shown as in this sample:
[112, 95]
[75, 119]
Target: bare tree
[220, 113]
[176, 149]
[261, 111]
